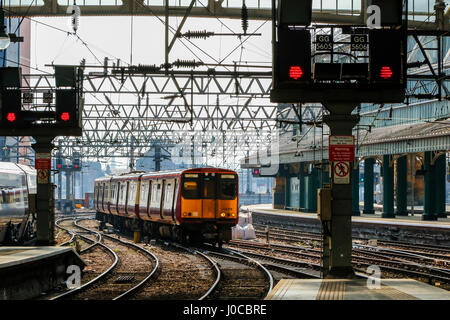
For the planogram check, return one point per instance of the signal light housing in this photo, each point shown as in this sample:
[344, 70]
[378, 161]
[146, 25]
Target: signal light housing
[10, 108]
[385, 57]
[67, 107]
[256, 172]
[292, 59]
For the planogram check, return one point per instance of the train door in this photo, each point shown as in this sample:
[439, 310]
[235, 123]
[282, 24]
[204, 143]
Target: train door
[209, 206]
[174, 198]
[168, 198]
[127, 190]
[149, 197]
[162, 193]
[115, 207]
[154, 204]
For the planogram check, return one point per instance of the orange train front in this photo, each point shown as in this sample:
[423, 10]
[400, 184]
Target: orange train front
[186, 205]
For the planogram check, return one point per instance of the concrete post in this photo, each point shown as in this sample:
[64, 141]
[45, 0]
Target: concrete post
[368, 186]
[402, 186]
[45, 203]
[429, 206]
[388, 188]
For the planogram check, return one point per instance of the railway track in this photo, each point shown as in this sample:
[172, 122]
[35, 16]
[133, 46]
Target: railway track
[310, 259]
[178, 278]
[431, 251]
[242, 277]
[118, 281]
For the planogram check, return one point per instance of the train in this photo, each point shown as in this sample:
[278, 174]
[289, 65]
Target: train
[186, 205]
[17, 193]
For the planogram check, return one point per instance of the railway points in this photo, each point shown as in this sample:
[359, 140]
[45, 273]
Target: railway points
[286, 150]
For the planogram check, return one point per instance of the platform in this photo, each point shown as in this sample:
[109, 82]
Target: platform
[409, 229]
[26, 272]
[355, 289]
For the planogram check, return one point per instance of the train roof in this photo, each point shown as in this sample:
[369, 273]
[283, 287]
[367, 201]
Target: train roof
[136, 175]
[14, 168]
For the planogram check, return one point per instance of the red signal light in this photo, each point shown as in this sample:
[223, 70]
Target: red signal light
[11, 117]
[65, 116]
[76, 166]
[386, 72]
[59, 166]
[295, 72]
[256, 171]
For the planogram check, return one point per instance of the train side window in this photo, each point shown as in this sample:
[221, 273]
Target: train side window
[106, 195]
[143, 194]
[132, 193]
[113, 191]
[122, 194]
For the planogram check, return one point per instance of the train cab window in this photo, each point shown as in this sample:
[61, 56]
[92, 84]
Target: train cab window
[228, 186]
[191, 186]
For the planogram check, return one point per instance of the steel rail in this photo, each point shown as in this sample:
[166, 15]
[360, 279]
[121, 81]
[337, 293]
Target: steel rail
[265, 271]
[96, 279]
[211, 261]
[154, 259]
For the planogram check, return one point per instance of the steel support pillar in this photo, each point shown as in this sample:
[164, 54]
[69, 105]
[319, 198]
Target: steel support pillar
[368, 186]
[301, 177]
[68, 185]
[388, 188]
[311, 191]
[45, 202]
[278, 193]
[287, 194]
[59, 190]
[402, 186]
[337, 235]
[440, 173]
[429, 205]
[355, 189]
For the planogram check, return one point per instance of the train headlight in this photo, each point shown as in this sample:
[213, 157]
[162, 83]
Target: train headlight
[223, 214]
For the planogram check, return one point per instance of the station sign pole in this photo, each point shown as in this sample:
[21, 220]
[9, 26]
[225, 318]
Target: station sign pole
[337, 240]
[45, 202]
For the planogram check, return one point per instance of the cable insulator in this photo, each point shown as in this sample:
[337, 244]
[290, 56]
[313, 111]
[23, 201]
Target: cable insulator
[198, 34]
[244, 18]
[187, 63]
[144, 68]
[75, 13]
